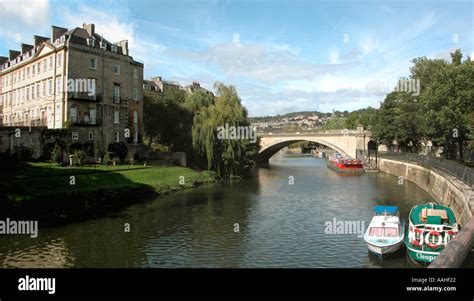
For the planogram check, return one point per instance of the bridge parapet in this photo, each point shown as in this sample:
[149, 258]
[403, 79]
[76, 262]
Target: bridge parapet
[342, 141]
[317, 133]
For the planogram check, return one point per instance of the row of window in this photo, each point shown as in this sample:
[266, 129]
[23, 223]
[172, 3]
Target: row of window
[75, 136]
[34, 91]
[32, 70]
[116, 67]
[33, 115]
[45, 88]
[92, 42]
[47, 64]
[91, 118]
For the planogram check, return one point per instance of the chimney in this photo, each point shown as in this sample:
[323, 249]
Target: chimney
[3, 60]
[13, 54]
[90, 28]
[38, 40]
[124, 45]
[25, 48]
[56, 32]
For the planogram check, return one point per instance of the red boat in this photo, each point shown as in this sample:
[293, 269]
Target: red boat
[339, 163]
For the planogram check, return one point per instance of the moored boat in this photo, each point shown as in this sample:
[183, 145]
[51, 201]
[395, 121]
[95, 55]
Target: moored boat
[431, 228]
[341, 164]
[386, 231]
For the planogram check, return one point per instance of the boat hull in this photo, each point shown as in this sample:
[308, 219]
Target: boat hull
[421, 256]
[384, 250]
[346, 170]
[422, 252]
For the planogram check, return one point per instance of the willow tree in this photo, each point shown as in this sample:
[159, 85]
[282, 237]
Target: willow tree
[228, 157]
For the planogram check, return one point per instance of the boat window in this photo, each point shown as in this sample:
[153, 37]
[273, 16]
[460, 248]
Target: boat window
[391, 232]
[376, 231]
[383, 232]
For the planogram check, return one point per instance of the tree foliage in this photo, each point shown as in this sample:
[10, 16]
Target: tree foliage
[442, 113]
[189, 122]
[228, 157]
[448, 104]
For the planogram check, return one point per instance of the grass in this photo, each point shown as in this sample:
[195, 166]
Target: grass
[30, 180]
[46, 169]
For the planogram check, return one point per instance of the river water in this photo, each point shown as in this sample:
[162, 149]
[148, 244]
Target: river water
[279, 225]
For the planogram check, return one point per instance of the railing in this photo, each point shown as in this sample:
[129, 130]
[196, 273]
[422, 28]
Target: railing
[38, 122]
[460, 171]
[97, 121]
[321, 132]
[457, 250]
[84, 96]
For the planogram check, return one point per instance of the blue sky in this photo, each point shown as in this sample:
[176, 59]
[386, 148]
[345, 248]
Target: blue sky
[282, 56]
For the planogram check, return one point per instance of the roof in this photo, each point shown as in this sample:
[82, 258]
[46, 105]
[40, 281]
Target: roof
[416, 213]
[388, 209]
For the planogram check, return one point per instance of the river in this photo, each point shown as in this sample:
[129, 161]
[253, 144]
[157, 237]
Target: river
[262, 221]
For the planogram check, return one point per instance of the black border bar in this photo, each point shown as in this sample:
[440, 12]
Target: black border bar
[242, 282]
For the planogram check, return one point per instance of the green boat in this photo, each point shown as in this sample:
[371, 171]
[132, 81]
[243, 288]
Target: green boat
[431, 228]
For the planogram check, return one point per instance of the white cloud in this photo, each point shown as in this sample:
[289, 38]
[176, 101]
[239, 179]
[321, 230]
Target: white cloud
[368, 45]
[258, 62]
[18, 19]
[114, 29]
[24, 13]
[376, 83]
[334, 56]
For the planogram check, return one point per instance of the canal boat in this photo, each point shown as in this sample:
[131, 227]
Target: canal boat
[341, 164]
[431, 228]
[386, 231]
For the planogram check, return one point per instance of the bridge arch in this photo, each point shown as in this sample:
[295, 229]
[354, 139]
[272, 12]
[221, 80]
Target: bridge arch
[268, 150]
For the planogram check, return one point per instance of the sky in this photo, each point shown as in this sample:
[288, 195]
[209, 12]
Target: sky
[282, 56]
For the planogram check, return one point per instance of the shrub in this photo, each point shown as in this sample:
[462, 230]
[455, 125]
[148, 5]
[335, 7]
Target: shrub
[119, 150]
[24, 153]
[79, 156]
[87, 147]
[56, 154]
[106, 158]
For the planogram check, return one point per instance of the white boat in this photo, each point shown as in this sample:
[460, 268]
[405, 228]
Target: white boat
[386, 231]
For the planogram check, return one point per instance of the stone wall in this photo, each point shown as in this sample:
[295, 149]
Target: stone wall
[28, 137]
[444, 188]
[31, 138]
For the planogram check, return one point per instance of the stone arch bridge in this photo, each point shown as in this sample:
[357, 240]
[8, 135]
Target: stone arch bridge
[346, 142]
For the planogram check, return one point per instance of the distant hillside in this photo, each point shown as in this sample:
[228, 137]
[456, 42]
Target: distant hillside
[295, 114]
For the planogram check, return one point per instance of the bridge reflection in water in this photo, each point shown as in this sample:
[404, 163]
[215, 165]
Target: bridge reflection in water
[346, 142]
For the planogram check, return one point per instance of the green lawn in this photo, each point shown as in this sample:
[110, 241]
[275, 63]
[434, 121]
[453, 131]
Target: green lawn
[41, 179]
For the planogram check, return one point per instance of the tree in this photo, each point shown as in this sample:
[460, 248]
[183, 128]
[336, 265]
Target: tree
[167, 120]
[364, 117]
[449, 103]
[385, 129]
[228, 157]
[335, 123]
[456, 57]
[425, 69]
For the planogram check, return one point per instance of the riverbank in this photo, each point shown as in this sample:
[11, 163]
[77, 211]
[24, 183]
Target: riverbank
[444, 188]
[55, 194]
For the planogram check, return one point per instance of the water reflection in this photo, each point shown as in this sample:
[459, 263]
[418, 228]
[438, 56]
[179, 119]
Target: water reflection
[281, 225]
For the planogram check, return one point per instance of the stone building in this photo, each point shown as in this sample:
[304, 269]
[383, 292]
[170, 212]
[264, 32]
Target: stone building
[76, 79]
[158, 85]
[165, 87]
[196, 86]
